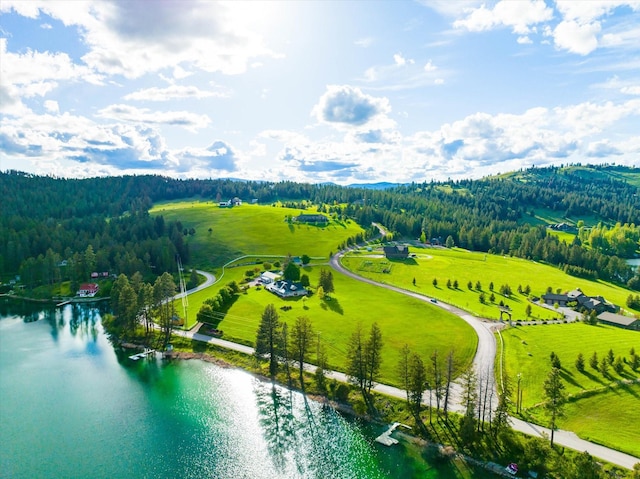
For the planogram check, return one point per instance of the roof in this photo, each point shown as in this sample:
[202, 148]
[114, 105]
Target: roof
[396, 248]
[554, 297]
[616, 318]
[270, 275]
[89, 287]
[576, 293]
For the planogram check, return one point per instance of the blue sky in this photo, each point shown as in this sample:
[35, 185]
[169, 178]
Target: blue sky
[339, 91]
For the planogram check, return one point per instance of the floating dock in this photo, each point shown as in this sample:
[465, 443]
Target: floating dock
[386, 439]
[141, 355]
[63, 303]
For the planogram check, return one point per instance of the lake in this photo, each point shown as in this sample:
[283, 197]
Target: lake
[71, 407]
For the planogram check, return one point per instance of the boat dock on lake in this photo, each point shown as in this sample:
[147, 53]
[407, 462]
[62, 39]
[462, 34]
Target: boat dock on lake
[386, 439]
[141, 355]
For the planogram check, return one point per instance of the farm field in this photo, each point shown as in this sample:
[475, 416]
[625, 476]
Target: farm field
[464, 266]
[402, 320]
[251, 229]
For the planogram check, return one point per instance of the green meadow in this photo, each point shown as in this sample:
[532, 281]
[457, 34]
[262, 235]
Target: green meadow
[600, 409]
[402, 320]
[251, 229]
[609, 418]
[464, 266]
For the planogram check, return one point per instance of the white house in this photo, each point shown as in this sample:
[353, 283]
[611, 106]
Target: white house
[269, 277]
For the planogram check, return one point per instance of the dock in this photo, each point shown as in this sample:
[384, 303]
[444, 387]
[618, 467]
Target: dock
[141, 355]
[63, 303]
[386, 439]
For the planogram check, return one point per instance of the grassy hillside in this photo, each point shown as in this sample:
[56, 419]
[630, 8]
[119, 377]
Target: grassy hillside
[464, 266]
[608, 416]
[251, 229]
[402, 320]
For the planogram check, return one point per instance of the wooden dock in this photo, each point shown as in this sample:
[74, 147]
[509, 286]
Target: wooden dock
[141, 355]
[386, 439]
[63, 303]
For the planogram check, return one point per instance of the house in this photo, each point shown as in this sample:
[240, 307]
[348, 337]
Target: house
[581, 300]
[551, 299]
[613, 319]
[88, 290]
[317, 218]
[396, 252]
[269, 277]
[224, 204]
[235, 201]
[287, 289]
[254, 201]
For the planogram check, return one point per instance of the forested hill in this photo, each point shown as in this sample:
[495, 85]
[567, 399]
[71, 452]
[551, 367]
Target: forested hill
[103, 223]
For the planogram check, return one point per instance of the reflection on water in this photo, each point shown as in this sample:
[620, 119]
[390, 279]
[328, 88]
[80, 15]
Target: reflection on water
[73, 407]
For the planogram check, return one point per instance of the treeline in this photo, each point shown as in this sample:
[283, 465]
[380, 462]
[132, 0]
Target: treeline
[491, 215]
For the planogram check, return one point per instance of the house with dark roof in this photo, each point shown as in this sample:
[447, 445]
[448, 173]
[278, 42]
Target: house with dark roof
[551, 299]
[396, 252]
[613, 319]
[309, 218]
[581, 300]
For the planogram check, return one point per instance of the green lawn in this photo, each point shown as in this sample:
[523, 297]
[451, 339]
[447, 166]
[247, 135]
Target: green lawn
[595, 418]
[402, 320]
[607, 415]
[251, 229]
[464, 266]
[527, 351]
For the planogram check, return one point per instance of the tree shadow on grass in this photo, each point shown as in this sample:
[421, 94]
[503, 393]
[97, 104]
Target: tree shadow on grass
[629, 390]
[593, 377]
[331, 303]
[568, 377]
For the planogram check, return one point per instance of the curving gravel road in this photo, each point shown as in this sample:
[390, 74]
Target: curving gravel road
[483, 363]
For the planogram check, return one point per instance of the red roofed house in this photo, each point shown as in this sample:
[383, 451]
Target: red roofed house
[88, 290]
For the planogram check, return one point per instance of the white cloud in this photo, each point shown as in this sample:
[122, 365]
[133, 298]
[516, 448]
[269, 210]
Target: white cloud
[344, 105]
[429, 67]
[51, 106]
[524, 40]
[131, 39]
[188, 120]
[575, 37]
[173, 92]
[520, 16]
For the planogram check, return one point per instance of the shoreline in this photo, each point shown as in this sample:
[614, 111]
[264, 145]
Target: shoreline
[57, 300]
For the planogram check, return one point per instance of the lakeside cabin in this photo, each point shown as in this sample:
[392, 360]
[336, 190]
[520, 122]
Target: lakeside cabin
[88, 290]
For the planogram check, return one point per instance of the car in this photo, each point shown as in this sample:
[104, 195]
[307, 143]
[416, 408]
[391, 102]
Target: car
[433, 300]
[512, 469]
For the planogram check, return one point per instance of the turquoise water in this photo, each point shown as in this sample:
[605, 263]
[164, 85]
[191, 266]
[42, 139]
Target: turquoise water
[70, 407]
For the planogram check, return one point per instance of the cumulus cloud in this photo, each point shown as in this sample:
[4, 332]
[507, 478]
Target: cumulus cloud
[174, 92]
[348, 106]
[188, 120]
[217, 156]
[520, 16]
[131, 39]
[575, 37]
[576, 26]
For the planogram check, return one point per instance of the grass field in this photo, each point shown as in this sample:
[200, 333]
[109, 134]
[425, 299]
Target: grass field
[609, 416]
[595, 418]
[528, 348]
[251, 229]
[402, 320]
[464, 266]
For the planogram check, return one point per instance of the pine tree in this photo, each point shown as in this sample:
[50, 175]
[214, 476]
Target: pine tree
[269, 338]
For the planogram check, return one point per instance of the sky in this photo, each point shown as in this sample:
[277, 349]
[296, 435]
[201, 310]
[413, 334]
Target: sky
[346, 92]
